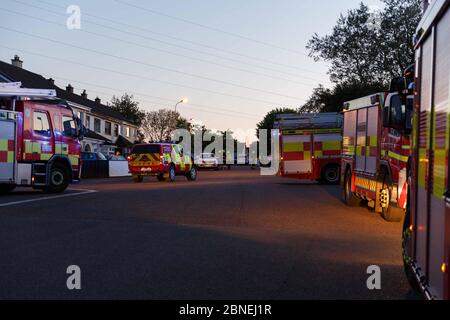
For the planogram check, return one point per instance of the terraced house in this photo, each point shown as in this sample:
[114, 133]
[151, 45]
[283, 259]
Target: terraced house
[108, 131]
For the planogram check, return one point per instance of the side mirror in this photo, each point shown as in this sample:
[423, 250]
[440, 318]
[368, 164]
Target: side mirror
[386, 117]
[80, 129]
[398, 85]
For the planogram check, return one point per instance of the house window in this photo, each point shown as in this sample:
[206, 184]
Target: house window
[116, 130]
[107, 128]
[127, 130]
[97, 125]
[41, 124]
[87, 123]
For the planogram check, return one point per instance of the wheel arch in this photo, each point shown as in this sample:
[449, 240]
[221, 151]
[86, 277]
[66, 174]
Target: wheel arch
[62, 160]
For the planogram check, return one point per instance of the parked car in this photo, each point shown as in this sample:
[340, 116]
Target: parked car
[92, 156]
[94, 165]
[163, 160]
[207, 160]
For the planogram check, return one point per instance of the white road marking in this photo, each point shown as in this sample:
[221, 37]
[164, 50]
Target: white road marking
[82, 191]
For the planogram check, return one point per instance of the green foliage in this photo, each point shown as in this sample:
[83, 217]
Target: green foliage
[129, 108]
[332, 100]
[366, 49]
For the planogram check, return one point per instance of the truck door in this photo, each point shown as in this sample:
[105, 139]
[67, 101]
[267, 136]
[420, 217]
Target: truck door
[7, 146]
[67, 144]
[432, 220]
[297, 152]
[42, 143]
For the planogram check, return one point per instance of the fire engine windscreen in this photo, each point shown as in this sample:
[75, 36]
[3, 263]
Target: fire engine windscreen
[150, 148]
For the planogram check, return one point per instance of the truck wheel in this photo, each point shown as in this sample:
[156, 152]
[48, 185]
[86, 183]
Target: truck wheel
[138, 179]
[349, 197]
[330, 174]
[160, 177]
[407, 250]
[192, 174]
[390, 211]
[6, 188]
[172, 174]
[59, 179]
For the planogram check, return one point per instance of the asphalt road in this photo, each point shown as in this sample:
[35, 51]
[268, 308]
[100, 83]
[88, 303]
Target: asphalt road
[229, 235]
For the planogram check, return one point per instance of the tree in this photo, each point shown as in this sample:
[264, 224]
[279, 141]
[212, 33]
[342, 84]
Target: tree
[158, 125]
[369, 47]
[127, 107]
[269, 121]
[332, 100]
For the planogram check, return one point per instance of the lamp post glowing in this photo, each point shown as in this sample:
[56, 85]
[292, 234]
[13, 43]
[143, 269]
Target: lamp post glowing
[184, 100]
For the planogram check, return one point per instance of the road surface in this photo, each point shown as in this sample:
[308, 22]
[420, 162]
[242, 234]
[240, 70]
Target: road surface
[229, 235]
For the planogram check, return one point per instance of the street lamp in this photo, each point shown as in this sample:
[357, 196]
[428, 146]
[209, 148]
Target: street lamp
[184, 100]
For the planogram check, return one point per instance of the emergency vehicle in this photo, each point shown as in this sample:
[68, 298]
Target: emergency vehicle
[376, 147]
[310, 146]
[39, 140]
[426, 231]
[163, 160]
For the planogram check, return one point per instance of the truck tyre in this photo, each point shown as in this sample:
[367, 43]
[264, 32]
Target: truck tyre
[192, 174]
[349, 197]
[330, 174]
[58, 179]
[407, 250]
[390, 213]
[171, 174]
[160, 177]
[6, 188]
[138, 179]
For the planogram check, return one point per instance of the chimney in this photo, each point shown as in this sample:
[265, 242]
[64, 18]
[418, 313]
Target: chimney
[16, 62]
[98, 100]
[84, 94]
[69, 89]
[52, 81]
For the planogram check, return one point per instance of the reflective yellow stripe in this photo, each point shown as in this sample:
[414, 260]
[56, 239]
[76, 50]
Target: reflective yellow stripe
[312, 131]
[3, 145]
[292, 147]
[373, 141]
[45, 156]
[331, 145]
[398, 157]
[74, 160]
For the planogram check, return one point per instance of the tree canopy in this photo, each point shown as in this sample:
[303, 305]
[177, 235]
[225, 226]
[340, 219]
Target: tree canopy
[127, 107]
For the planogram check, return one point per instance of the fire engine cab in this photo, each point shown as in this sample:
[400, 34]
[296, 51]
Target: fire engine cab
[376, 147]
[426, 230]
[310, 146]
[39, 140]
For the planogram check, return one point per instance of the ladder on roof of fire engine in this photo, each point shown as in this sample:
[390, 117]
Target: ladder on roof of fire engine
[309, 121]
[13, 89]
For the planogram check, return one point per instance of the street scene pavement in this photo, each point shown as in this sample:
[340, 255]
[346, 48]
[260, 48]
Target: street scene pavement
[229, 235]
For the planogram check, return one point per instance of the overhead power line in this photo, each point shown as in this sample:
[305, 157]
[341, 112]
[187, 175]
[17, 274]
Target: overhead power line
[210, 28]
[265, 102]
[150, 65]
[222, 50]
[155, 49]
[206, 108]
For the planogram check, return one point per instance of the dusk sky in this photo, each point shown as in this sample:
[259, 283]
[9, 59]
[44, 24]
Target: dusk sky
[234, 60]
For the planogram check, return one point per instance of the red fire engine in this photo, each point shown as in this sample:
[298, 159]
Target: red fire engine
[376, 146]
[39, 140]
[310, 146]
[426, 231]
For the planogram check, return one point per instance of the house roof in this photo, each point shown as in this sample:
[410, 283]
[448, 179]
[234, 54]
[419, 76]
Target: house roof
[123, 142]
[94, 135]
[33, 80]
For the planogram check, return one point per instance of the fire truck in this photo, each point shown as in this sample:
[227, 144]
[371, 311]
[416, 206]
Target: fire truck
[426, 230]
[310, 146]
[376, 147]
[39, 140]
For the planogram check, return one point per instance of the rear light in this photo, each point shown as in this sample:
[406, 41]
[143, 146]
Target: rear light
[444, 268]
